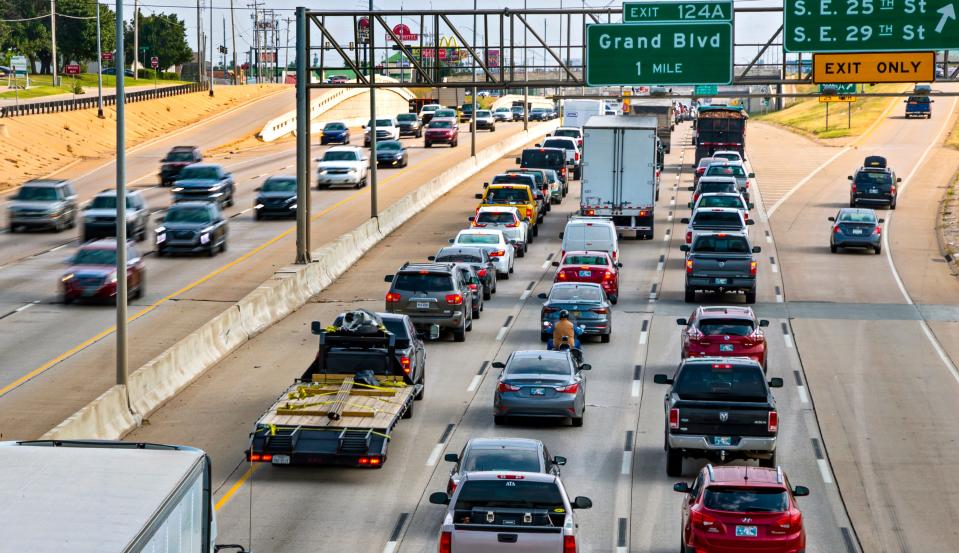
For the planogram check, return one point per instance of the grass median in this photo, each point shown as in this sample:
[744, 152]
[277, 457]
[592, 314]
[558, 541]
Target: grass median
[42, 85]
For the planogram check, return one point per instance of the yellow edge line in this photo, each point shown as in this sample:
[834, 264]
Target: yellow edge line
[234, 488]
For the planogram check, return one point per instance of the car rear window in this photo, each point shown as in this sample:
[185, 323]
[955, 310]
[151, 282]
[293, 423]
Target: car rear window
[180, 156]
[470, 238]
[724, 218]
[507, 196]
[512, 493]
[721, 244]
[705, 381]
[496, 218]
[458, 258]
[526, 460]
[573, 133]
[520, 177]
[721, 201]
[575, 293]
[918, 100]
[538, 365]
[560, 143]
[543, 158]
[193, 172]
[746, 500]
[873, 177]
[416, 282]
[705, 187]
[585, 260]
[721, 170]
[731, 327]
[351, 361]
[857, 217]
[706, 161]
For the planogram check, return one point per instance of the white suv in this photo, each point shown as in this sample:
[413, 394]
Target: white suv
[386, 129]
[342, 165]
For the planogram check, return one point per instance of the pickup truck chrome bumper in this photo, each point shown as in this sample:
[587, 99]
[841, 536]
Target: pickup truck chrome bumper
[743, 443]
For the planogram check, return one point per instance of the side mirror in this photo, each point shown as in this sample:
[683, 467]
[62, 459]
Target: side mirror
[752, 175]
[750, 222]
[439, 498]
[582, 503]
[538, 145]
[258, 188]
[882, 221]
[451, 458]
[619, 265]
[898, 179]
[691, 188]
[431, 258]
[518, 160]
[682, 487]
[555, 264]
[763, 323]
[684, 247]
[849, 177]
[776, 382]
[316, 327]
[388, 278]
[498, 365]
[559, 460]
[800, 491]
[478, 196]
[684, 220]
[542, 296]
[682, 322]
[485, 185]
[757, 249]
[662, 379]
[585, 367]
[750, 206]
[471, 219]
[833, 219]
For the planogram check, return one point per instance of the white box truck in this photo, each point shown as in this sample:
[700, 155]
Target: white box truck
[106, 497]
[620, 177]
[577, 112]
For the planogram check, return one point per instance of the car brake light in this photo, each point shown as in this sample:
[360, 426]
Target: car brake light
[569, 544]
[512, 225]
[787, 523]
[497, 253]
[589, 212]
[608, 275]
[704, 521]
[571, 389]
[853, 188]
[577, 156]
[877, 230]
[689, 237]
[446, 542]
[405, 363]
[504, 387]
[392, 297]
[479, 225]
[260, 457]
[548, 310]
[836, 229]
[563, 171]
[752, 267]
[643, 213]
[892, 189]
[600, 311]
[722, 366]
[562, 275]
[481, 272]
[473, 287]
[510, 476]
[454, 299]
[674, 418]
[747, 184]
[689, 266]
[772, 422]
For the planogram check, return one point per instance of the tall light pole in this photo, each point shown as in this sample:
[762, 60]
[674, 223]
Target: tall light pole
[136, 36]
[236, 70]
[99, 67]
[371, 69]
[121, 270]
[53, 39]
[473, 76]
[199, 46]
[212, 55]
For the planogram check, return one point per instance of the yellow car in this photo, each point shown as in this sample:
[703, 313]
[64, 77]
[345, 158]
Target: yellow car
[519, 196]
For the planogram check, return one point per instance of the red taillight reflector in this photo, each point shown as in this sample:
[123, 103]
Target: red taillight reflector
[405, 363]
[571, 389]
[674, 418]
[569, 544]
[504, 387]
[589, 212]
[752, 267]
[877, 230]
[689, 237]
[562, 275]
[392, 297]
[454, 299]
[689, 265]
[608, 275]
[512, 225]
[446, 542]
[773, 422]
[474, 287]
[481, 272]
[722, 366]
[835, 229]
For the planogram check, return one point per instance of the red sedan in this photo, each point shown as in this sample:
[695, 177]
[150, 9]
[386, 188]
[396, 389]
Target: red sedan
[589, 266]
[738, 509]
[724, 332]
[93, 275]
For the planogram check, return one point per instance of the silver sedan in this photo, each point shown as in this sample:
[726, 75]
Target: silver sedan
[540, 384]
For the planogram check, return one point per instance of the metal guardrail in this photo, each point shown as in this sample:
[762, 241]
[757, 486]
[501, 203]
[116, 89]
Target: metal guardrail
[36, 108]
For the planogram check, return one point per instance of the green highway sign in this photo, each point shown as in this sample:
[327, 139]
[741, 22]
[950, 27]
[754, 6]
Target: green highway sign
[841, 89]
[870, 25]
[706, 90]
[677, 11]
[661, 54]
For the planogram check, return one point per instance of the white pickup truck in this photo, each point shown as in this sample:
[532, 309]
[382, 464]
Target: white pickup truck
[522, 512]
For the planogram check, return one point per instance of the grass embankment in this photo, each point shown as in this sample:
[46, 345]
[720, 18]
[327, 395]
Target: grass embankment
[42, 85]
[809, 116]
[952, 140]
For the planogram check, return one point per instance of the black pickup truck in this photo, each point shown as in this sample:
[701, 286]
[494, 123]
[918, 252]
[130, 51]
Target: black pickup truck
[719, 408]
[720, 262]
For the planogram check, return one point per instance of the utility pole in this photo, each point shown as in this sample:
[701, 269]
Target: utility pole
[286, 51]
[53, 39]
[121, 346]
[302, 138]
[473, 129]
[99, 68]
[136, 36]
[372, 73]
[199, 46]
[212, 55]
[236, 70]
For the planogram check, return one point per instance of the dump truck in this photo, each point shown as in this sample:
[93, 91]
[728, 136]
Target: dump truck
[343, 409]
[662, 110]
[720, 128]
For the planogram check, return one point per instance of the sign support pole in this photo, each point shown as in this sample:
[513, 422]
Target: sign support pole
[849, 115]
[121, 175]
[371, 69]
[99, 68]
[302, 139]
[827, 115]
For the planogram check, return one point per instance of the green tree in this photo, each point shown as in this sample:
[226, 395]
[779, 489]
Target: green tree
[164, 36]
[29, 38]
[77, 38]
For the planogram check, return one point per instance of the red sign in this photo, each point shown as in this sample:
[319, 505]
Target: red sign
[364, 23]
[403, 32]
[107, 56]
[154, 62]
[71, 69]
[268, 57]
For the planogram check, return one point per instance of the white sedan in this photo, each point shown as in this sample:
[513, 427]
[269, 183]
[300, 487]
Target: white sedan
[500, 249]
[508, 220]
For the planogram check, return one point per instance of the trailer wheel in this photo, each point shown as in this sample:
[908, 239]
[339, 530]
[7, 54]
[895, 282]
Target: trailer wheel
[408, 414]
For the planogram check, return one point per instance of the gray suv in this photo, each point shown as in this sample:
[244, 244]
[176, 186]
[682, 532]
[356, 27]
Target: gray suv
[43, 204]
[432, 293]
[100, 216]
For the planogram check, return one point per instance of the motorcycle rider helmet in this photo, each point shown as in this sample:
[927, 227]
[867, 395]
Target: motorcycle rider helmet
[564, 314]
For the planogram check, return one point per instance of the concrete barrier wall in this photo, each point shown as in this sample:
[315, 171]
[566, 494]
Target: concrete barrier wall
[162, 378]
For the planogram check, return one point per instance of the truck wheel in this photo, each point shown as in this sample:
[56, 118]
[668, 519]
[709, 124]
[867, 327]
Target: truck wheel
[751, 297]
[768, 463]
[690, 295]
[674, 462]
[408, 414]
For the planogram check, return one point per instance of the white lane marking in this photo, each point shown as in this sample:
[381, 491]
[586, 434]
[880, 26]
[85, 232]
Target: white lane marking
[774, 267]
[644, 335]
[672, 202]
[669, 218]
[525, 295]
[803, 395]
[788, 339]
[659, 267]
[390, 547]
[779, 298]
[435, 455]
[800, 184]
[636, 386]
[60, 247]
[245, 210]
[622, 550]
[824, 471]
[474, 383]
[27, 306]
[627, 462]
[501, 333]
[546, 264]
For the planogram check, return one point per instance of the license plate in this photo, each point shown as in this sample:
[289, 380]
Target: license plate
[722, 440]
[161, 238]
[281, 459]
[87, 292]
[585, 273]
[722, 281]
[422, 305]
[747, 531]
[873, 190]
[857, 231]
[576, 313]
[725, 347]
[537, 392]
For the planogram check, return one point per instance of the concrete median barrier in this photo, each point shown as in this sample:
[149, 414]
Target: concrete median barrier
[291, 287]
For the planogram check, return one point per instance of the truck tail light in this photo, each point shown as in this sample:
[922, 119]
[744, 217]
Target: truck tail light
[689, 237]
[752, 267]
[481, 273]
[877, 231]
[747, 185]
[569, 544]
[371, 461]
[497, 253]
[689, 266]
[454, 299]
[571, 389]
[260, 457]
[405, 363]
[576, 157]
[393, 297]
[446, 542]
[504, 387]
[772, 423]
[589, 212]
[674, 418]
[562, 171]
[479, 225]
[643, 213]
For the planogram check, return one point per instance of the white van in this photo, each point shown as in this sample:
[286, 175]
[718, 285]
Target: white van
[590, 234]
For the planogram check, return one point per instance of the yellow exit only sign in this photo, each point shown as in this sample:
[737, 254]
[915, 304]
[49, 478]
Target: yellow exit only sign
[874, 67]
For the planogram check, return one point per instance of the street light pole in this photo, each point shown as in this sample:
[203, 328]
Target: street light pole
[473, 76]
[236, 70]
[212, 55]
[302, 138]
[371, 68]
[53, 38]
[99, 68]
[121, 269]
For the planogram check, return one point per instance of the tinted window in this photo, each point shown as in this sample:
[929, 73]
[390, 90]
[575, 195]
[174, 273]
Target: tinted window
[188, 215]
[109, 202]
[538, 365]
[382, 123]
[406, 117]
[721, 201]
[397, 327]
[180, 156]
[739, 500]
[543, 158]
[510, 494]
[716, 187]
[95, 256]
[441, 124]
[279, 185]
[430, 108]
[194, 172]
[334, 127]
[37, 194]
[706, 161]
[538, 176]
[720, 381]
[477, 239]
[484, 113]
[857, 217]
[390, 145]
[721, 244]
[415, 282]
[559, 143]
[567, 132]
[515, 178]
[919, 99]
[585, 260]
[575, 293]
[445, 113]
[720, 327]
[721, 170]
[507, 196]
[873, 178]
[525, 460]
[717, 218]
[496, 218]
[340, 155]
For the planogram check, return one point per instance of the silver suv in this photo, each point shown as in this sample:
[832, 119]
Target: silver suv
[432, 293]
[43, 204]
[100, 216]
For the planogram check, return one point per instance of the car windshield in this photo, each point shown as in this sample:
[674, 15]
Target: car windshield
[470, 238]
[578, 259]
[538, 365]
[706, 381]
[746, 500]
[543, 158]
[279, 185]
[194, 172]
[537, 110]
[572, 133]
[390, 145]
[507, 196]
[406, 117]
[517, 109]
[95, 256]
[382, 123]
[721, 201]
[340, 155]
[510, 493]
[187, 215]
[441, 124]
[180, 155]
[334, 127]
[857, 217]
[484, 113]
[720, 218]
[37, 194]
[713, 186]
[721, 244]
[576, 293]
[496, 218]
[723, 327]
[707, 161]
[873, 178]
[526, 460]
[416, 282]
[559, 143]
[918, 99]
[724, 170]
[108, 202]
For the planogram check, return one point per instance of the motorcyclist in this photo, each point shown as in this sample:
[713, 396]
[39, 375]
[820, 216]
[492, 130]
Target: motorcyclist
[564, 328]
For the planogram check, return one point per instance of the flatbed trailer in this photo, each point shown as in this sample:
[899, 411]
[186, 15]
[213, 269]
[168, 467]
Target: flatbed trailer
[342, 411]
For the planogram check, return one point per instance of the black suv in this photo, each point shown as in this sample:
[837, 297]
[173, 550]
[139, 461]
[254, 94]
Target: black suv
[432, 293]
[192, 227]
[478, 258]
[545, 158]
[874, 183]
[174, 162]
[409, 124]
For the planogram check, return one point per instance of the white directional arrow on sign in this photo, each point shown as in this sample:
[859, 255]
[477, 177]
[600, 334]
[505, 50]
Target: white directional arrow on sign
[948, 12]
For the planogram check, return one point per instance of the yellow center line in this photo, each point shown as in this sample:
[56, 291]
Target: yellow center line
[234, 488]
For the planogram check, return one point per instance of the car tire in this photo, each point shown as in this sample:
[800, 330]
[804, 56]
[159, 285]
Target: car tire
[223, 246]
[521, 252]
[504, 276]
[510, 267]
[67, 300]
[427, 145]
[544, 337]
[690, 295]
[487, 294]
[577, 421]
[478, 313]
[878, 250]
[13, 229]
[73, 221]
[751, 297]
[161, 252]
[833, 248]
[852, 203]
[459, 334]
[211, 251]
[674, 462]
[613, 299]
[605, 338]
[408, 414]
[535, 231]
[892, 205]
[768, 463]
[257, 216]
[499, 420]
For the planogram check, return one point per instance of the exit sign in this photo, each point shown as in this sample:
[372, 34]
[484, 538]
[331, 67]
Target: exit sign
[706, 90]
[677, 11]
[841, 89]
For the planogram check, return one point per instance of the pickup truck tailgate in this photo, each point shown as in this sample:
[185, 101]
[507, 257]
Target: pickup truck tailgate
[726, 419]
[721, 265]
[514, 540]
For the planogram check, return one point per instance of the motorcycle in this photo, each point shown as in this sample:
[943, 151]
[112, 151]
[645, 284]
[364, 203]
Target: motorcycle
[575, 349]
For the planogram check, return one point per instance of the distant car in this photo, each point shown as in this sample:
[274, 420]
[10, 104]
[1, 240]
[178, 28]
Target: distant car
[586, 266]
[856, 228]
[537, 383]
[409, 124]
[702, 165]
[427, 111]
[93, 273]
[466, 112]
[338, 79]
[733, 169]
[707, 185]
[43, 203]
[507, 219]
[206, 182]
[431, 294]
[501, 454]
[176, 159]
[541, 187]
[715, 219]
[470, 280]
[100, 216]
[573, 157]
[545, 158]
[874, 185]
[445, 113]
[728, 155]
[539, 114]
[724, 331]
[518, 113]
[722, 199]
[276, 198]
[480, 260]
[494, 241]
[442, 131]
[743, 508]
[5, 71]
[587, 305]
[386, 129]
[335, 132]
[391, 153]
[485, 120]
[721, 262]
[113, 71]
[192, 227]
[502, 114]
[918, 106]
[342, 165]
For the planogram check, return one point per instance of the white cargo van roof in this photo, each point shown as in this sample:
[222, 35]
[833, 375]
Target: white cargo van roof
[84, 499]
[620, 122]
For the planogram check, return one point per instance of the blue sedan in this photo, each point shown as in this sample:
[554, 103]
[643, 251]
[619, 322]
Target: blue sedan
[587, 305]
[856, 228]
[335, 132]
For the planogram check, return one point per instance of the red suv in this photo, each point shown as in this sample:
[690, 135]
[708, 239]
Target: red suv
[737, 509]
[589, 266]
[724, 332]
[93, 272]
[442, 131]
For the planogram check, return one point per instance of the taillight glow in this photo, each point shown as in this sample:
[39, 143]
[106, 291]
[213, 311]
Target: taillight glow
[562, 275]
[705, 522]
[689, 266]
[788, 523]
[474, 287]
[454, 299]
[446, 542]
[608, 275]
[674, 418]
[504, 387]
[510, 476]
[571, 389]
[877, 231]
[481, 272]
[836, 229]
[405, 363]
[512, 225]
[589, 212]
[753, 265]
[569, 544]
[773, 422]
[497, 253]
[393, 297]
[261, 457]
[601, 311]
[853, 188]
[689, 237]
